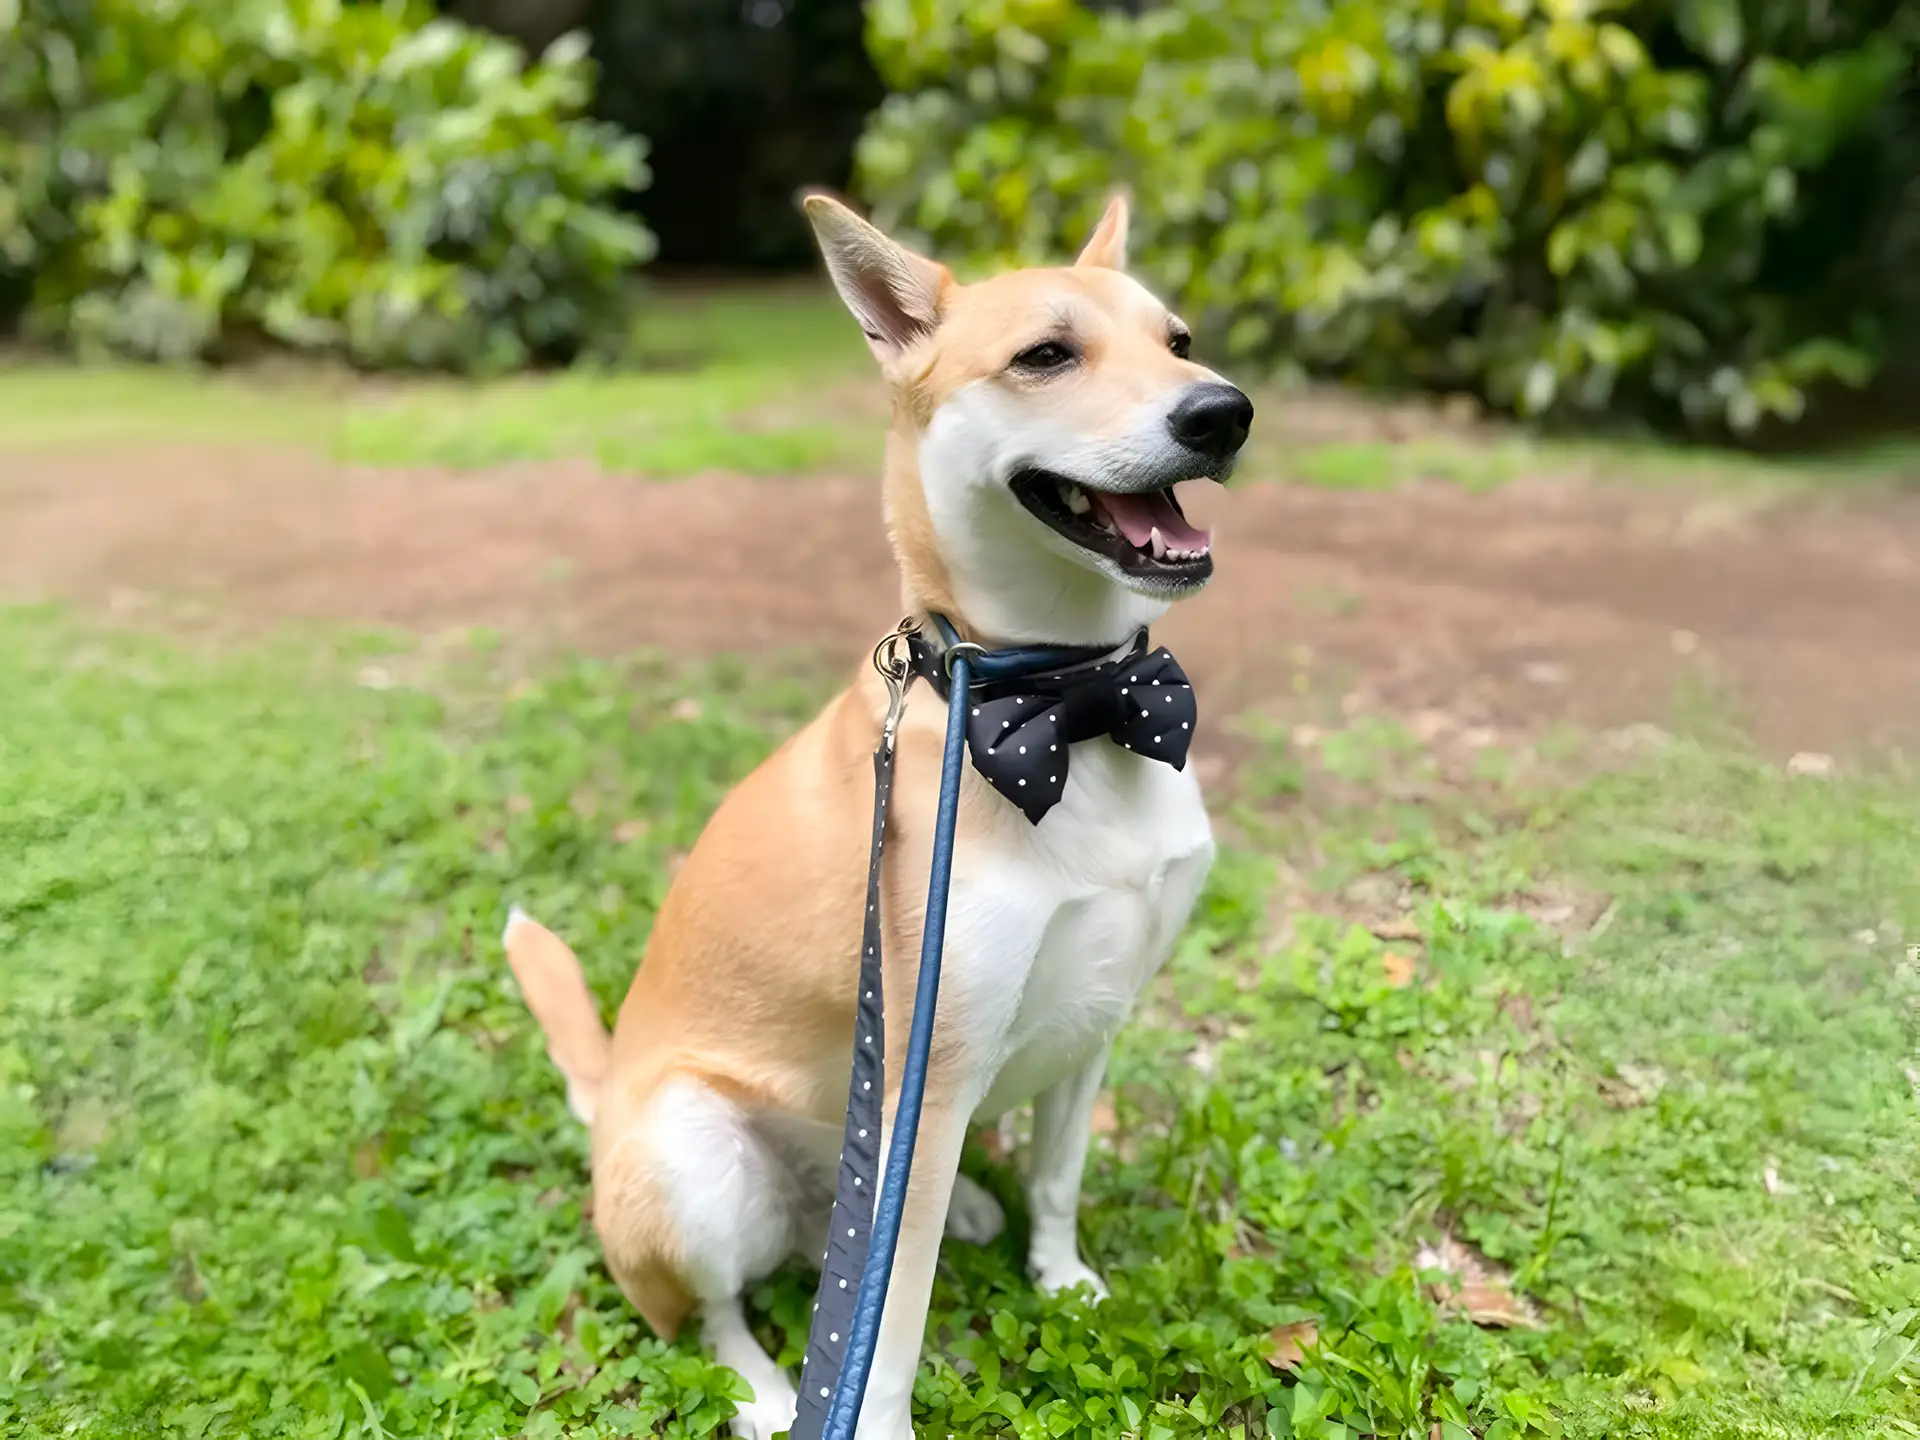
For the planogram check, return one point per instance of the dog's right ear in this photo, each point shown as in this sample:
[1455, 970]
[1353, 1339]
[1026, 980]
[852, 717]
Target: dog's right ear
[895, 294]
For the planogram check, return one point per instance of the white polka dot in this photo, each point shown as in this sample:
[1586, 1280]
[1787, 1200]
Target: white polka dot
[1023, 749]
[1023, 782]
[1134, 678]
[858, 1181]
[1185, 726]
[1143, 714]
[869, 1039]
[1019, 700]
[1051, 779]
[843, 1284]
[1156, 682]
[849, 1232]
[1006, 724]
[863, 1134]
[835, 1338]
[1157, 739]
[976, 709]
[823, 1389]
[1167, 698]
[1053, 747]
[866, 1084]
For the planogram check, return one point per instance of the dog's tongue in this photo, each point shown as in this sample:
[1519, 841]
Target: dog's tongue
[1139, 515]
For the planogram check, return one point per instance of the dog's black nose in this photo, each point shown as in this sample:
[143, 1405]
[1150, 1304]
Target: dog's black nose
[1212, 418]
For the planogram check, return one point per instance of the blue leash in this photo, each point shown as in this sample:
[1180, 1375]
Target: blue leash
[820, 1417]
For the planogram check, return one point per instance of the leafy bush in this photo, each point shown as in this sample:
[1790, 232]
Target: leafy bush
[1694, 209]
[355, 178]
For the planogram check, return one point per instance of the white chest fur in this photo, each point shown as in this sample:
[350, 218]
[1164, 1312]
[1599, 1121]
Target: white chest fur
[1053, 929]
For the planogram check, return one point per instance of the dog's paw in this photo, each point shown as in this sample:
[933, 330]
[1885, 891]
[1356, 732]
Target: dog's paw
[764, 1419]
[973, 1215]
[1059, 1276]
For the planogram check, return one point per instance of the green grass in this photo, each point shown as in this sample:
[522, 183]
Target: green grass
[281, 1155]
[762, 379]
[766, 380]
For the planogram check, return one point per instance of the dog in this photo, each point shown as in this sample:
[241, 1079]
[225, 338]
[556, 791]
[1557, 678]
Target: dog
[1040, 421]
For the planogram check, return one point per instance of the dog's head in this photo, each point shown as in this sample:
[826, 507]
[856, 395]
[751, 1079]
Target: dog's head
[1041, 421]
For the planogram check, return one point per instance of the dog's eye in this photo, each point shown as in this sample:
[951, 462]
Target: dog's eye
[1047, 356]
[1181, 342]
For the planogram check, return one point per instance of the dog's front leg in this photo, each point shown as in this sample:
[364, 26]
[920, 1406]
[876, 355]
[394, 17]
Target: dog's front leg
[887, 1411]
[1062, 1124]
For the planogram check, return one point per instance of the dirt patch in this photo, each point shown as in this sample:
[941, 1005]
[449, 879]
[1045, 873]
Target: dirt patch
[1506, 609]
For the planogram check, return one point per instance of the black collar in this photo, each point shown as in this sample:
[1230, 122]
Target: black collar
[997, 672]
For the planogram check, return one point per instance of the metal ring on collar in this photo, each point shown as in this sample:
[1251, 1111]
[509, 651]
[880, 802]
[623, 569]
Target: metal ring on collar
[946, 656]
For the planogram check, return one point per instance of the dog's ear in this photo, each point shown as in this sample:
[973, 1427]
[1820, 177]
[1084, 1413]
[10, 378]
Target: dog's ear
[1107, 247]
[895, 294]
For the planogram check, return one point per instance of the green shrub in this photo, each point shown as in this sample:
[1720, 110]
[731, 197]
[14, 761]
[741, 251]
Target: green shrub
[1691, 209]
[177, 176]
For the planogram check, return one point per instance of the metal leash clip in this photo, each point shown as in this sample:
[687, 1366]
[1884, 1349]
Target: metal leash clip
[890, 659]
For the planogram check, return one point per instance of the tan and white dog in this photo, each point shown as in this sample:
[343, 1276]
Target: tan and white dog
[1040, 421]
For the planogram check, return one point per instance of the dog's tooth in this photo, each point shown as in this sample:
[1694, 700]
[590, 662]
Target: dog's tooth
[1157, 545]
[1077, 500]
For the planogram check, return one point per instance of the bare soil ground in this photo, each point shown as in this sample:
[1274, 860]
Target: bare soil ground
[1544, 599]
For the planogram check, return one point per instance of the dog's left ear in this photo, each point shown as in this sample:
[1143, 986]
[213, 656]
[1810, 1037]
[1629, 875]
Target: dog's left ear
[895, 294]
[1108, 246]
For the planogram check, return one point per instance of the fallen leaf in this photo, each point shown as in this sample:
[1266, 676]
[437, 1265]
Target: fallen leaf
[687, 708]
[627, 831]
[1398, 968]
[1103, 1121]
[1290, 1343]
[1474, 1286]
[1494, 1306]
[519, 804]
[585, 804]
[1810, 762]
[1402, 929]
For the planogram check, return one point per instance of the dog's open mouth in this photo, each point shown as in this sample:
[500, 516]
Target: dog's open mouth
[1142, 532]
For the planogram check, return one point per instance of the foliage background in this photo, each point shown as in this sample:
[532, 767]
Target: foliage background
[1696, 211]
[1693, 209]
[369, 180]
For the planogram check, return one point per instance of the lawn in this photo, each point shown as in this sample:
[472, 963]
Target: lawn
[773, 379]
[1638, 1061]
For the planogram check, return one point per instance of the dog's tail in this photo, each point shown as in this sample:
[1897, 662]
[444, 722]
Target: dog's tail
[557, 993]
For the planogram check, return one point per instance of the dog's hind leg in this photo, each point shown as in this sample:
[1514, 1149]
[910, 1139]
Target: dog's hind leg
[692, 1207]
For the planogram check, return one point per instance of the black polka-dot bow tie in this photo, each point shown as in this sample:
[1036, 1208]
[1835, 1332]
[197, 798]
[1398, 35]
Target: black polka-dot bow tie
[1019, 731]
